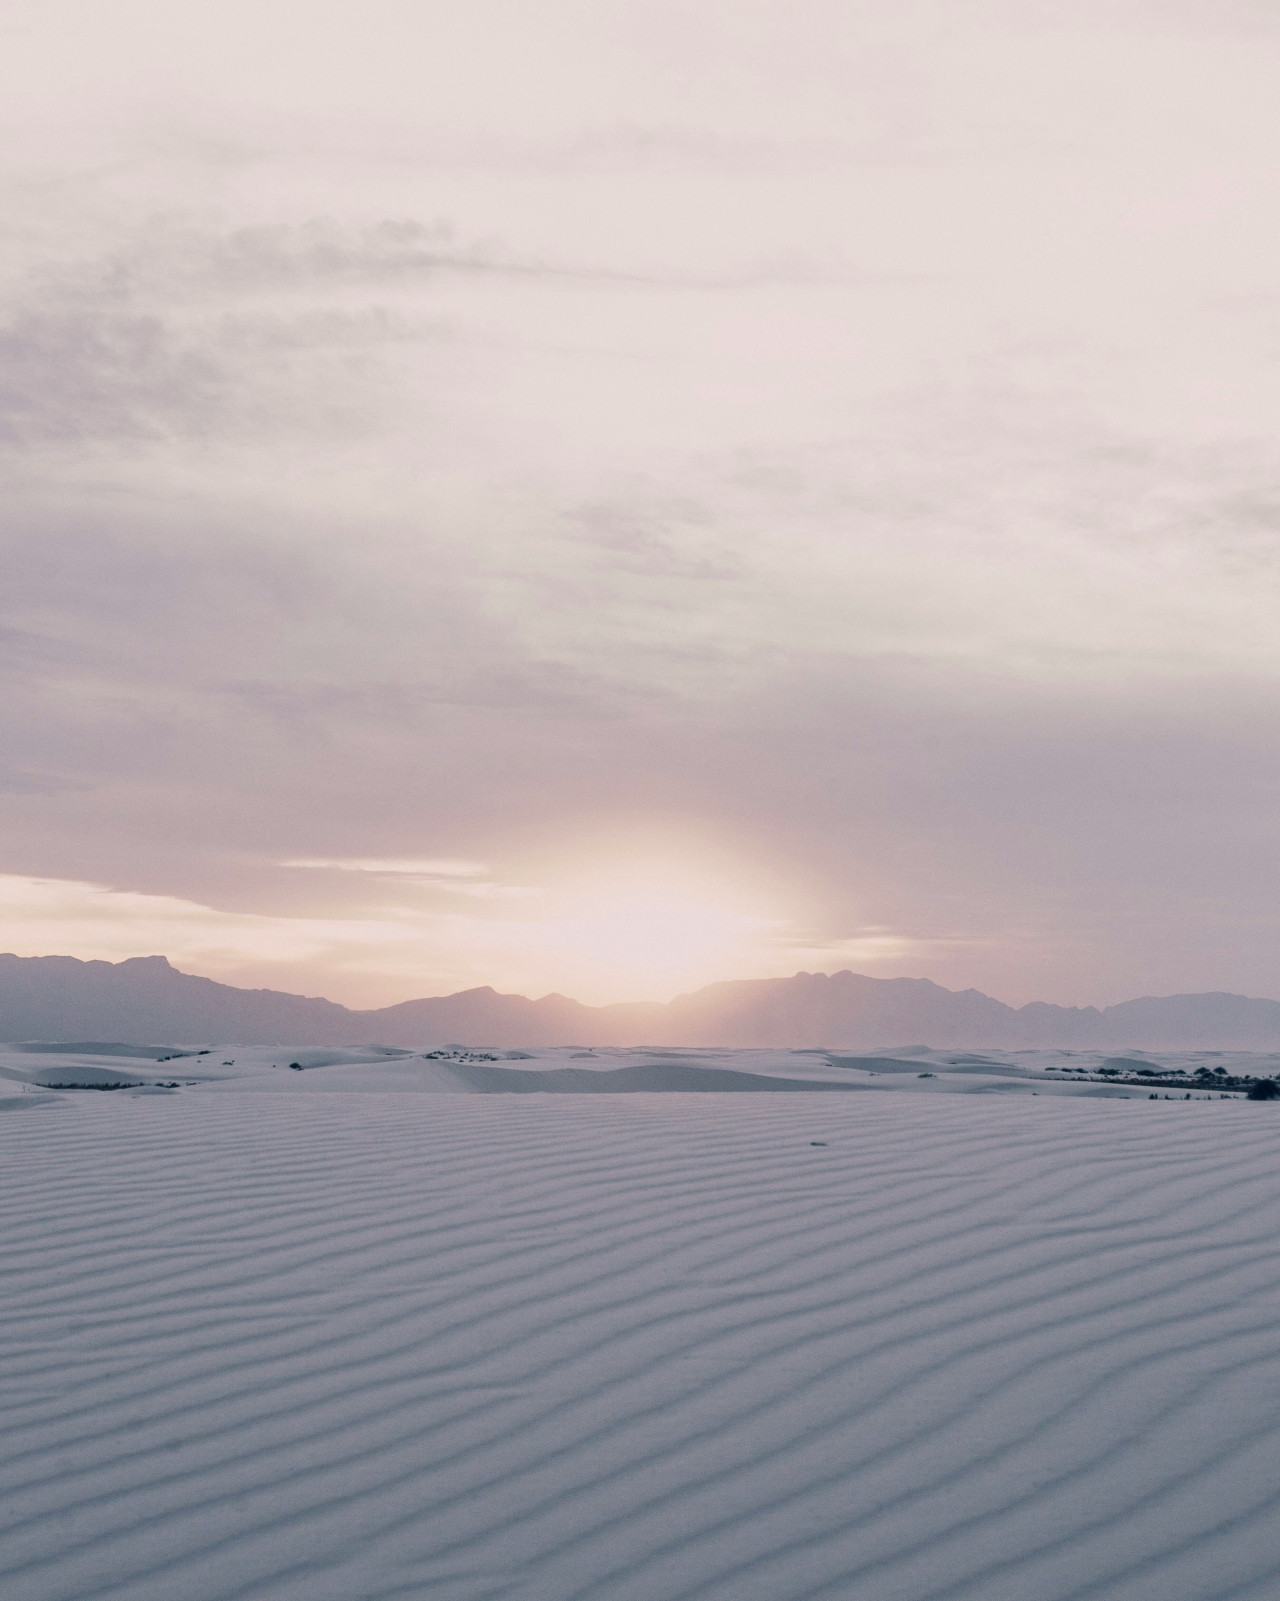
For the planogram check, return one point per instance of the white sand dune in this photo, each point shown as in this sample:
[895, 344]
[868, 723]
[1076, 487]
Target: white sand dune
[672, 1076]
[636, 1347]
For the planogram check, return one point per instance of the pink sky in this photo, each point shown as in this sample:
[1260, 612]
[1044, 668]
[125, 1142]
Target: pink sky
[608, 497]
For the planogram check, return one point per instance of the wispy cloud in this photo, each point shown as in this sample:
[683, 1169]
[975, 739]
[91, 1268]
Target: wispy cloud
[456, 877]
[440, 868]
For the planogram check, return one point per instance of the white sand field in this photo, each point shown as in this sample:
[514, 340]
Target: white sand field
[380, 1328]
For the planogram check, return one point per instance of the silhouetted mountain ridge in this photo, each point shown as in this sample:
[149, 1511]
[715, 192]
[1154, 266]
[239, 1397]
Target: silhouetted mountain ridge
[145, 999]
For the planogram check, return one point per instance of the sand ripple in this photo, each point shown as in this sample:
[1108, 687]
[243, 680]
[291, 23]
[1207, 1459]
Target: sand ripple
[639, 1348]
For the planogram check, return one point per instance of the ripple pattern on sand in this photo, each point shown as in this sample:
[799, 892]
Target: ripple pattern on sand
[639, 1348]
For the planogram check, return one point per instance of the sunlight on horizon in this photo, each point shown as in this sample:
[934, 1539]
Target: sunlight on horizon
[602, 943]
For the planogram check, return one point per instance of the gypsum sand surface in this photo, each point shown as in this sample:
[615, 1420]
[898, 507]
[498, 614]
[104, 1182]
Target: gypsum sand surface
[467, 1070]
[638, 1347]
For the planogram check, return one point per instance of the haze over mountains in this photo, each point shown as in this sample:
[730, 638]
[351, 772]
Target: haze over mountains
[145, 1000]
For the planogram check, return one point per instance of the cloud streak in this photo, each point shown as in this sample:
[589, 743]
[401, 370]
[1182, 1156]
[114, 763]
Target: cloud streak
[454, 877]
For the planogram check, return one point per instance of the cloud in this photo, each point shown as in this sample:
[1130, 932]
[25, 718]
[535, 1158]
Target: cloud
[838, 442]
[186, 332]
[394, 869]
[454, 877]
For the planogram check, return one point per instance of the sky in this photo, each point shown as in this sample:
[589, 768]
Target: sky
[609, 497]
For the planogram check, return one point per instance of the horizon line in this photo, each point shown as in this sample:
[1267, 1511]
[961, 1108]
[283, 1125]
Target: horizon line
[557, 995]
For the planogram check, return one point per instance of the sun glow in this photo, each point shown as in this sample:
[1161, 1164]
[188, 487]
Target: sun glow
[598, 936]
[653, 942]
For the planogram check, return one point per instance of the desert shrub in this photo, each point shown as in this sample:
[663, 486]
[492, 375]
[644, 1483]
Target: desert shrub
[1263, 1089]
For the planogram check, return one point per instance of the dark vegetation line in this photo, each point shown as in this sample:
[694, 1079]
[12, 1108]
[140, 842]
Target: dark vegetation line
[137, 1084]
[1204, 1078]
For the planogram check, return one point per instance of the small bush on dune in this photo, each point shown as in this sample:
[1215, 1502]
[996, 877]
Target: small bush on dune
[1263, 1089]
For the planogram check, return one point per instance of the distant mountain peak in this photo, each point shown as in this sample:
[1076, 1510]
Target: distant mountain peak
[62, 998]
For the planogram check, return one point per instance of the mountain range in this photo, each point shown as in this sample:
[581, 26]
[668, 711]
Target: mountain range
[145, 1000]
